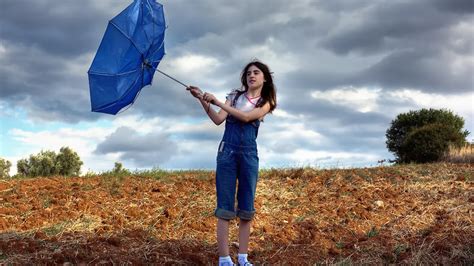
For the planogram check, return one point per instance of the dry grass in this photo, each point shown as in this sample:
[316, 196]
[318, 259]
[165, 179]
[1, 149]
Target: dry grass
[410, 214]
[460, 155]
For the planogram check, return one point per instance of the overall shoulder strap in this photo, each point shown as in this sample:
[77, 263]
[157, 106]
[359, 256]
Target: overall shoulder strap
[237, 95]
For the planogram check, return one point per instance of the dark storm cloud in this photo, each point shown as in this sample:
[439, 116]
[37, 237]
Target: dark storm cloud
[66, 28]
[415, 39]
[191, 20]
[144, 150]
[321, 110]
[455, 6]
[403, 44]
[422, 70]
[395, 24]
[43, 85]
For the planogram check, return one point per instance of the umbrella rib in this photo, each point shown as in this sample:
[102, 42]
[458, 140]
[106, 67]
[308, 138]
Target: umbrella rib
[124, 34]
[112, 75]
[114, 102]
[149, 10]
[157, 50]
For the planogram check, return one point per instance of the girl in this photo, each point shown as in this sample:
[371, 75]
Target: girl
[237, 157]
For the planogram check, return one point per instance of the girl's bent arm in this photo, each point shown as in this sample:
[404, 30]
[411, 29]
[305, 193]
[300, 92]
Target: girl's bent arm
[216, 117]
[246, 117]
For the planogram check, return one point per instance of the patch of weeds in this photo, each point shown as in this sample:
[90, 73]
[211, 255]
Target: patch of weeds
[114, 189]
[293, 203]
[339, 245]
[296, 173]
[365, 175]
[54, 229]
[399, 249]
[90, 174]
[204, 175]
[26, 214]
[87, 187]
[205, 213]
[46, 202]
[112, 183]
[13, 190]
[270, 173]
[425, 171]
[372, 232]
[352, 216]
[348, 177]
[268, 245]
[7, 204]
[344, 262]
[155, 173]
[299, 219]
[425, 232]
[310, 212]
[328, 182]
[346, 194]
[469, 176]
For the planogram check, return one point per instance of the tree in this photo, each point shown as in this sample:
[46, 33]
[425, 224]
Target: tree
[22, 167]
[5, 168]
[43, 164]
[425, 135]
[68, 162]
[47, 163]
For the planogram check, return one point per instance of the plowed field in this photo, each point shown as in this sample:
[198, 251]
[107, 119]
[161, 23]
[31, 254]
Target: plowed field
[396, 214]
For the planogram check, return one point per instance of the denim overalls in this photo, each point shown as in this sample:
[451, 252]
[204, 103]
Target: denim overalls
[237, 159]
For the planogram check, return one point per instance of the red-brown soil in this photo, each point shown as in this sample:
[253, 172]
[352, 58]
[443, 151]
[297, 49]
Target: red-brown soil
[416, 214]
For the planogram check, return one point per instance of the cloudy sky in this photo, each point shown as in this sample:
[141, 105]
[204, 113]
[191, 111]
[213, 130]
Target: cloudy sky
[343, 70]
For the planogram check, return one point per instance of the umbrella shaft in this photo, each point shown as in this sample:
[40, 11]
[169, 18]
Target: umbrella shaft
[172, 78]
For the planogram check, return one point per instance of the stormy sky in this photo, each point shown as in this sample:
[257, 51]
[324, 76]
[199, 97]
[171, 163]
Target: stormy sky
[343, 70]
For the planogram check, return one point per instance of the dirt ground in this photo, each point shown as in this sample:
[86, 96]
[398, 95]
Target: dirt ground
[416, 214]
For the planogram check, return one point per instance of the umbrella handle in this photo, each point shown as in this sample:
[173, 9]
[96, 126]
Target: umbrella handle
[200, 94]
[172, 78]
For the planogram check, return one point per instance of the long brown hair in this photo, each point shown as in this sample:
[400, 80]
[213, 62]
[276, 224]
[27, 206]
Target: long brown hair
[268, 93]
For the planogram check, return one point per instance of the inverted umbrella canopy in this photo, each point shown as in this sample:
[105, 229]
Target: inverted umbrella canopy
[128, 55]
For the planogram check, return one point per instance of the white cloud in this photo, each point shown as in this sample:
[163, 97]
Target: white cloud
[360, 99]
[3, 50]
[461, 103]
[193, 63]
[280, 62]
[368, 100]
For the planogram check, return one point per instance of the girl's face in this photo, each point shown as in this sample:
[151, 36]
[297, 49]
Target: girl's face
[255, 77]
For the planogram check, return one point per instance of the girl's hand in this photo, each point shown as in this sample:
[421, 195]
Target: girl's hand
[195, 91]
[208, 97]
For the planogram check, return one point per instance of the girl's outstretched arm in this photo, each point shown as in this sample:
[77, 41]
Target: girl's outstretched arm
[246, 117]
[216, 117]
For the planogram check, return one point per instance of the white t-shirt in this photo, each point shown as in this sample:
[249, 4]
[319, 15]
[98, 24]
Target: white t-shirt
[244, 102]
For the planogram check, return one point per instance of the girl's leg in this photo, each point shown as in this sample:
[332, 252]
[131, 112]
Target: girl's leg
[223, 237]
[244, 235]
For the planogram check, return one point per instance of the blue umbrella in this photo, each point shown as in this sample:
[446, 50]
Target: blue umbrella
[128, 56]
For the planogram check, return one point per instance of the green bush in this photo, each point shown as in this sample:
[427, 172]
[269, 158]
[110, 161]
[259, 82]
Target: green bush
[68, 162]
[47, 163]
[425, 135]
[118, 169]
[5, 168]
[429, 143]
